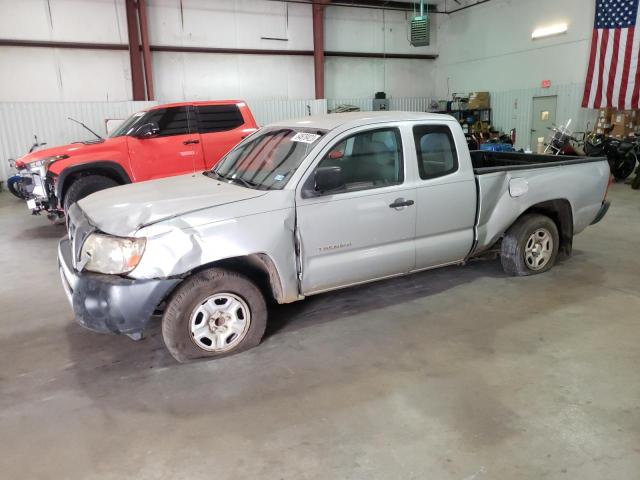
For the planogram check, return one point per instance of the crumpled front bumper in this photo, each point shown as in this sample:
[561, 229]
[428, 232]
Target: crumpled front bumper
[109, 303]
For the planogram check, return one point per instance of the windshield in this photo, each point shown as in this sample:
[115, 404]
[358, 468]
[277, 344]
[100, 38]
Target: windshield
[268, 158]
[128, 125]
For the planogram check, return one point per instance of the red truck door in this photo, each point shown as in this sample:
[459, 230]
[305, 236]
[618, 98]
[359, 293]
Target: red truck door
[221, 128]
[174, 150]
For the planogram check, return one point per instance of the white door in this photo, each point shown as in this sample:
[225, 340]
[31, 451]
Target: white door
[543, 118]
[364, 230]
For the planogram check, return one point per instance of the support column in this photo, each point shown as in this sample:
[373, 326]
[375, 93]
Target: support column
[137, 77]
[318, 45]
[146, 51]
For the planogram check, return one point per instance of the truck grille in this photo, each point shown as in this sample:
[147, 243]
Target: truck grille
[79, 228]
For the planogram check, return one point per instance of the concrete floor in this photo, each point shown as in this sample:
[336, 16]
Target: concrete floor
[460, 373]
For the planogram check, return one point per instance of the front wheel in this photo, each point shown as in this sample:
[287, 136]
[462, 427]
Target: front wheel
[85, 186]
[530, 246]
[14, 186]
[214, 313]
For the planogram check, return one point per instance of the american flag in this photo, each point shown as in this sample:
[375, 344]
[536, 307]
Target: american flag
[613, 78]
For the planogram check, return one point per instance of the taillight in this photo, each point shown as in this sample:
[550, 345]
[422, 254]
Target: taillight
[606, 192]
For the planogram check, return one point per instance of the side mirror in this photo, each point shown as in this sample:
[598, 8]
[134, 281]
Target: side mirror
[147, 130]
[328, 178]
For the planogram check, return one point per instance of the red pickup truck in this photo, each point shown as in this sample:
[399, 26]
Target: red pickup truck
[159, 142]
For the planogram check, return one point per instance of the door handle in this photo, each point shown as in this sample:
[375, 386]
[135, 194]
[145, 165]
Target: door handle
[401, 202]
[190, 142]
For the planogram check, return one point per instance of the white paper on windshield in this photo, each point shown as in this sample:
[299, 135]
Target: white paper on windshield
[305, 137]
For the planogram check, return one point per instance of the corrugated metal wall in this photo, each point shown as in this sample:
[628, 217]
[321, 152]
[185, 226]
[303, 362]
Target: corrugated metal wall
[407, 104]
[512, 109]
[268, 111]
[19, 121]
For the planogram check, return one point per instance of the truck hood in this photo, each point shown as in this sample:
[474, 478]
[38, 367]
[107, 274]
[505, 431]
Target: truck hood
[73, 149]
[125, 209]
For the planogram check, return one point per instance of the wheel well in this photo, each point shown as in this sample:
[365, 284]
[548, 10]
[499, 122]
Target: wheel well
[560, 212]
[258, 267]
[105, 171]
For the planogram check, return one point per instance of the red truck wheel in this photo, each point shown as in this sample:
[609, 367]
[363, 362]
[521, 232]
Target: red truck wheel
[85, 186]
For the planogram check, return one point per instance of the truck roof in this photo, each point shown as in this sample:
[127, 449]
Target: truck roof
[205, 102]
[356, 119]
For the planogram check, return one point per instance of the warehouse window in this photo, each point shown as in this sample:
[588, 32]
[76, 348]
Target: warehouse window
[218, 118]
[171, 121]
[436, 151]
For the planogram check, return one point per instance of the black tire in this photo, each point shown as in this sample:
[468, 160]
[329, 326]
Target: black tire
[623, 167]
[13, 186]
[636, 181]
[85, 186]
[513, 253]
[191, 294]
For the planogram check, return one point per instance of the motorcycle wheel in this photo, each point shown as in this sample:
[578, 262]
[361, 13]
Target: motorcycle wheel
[12, 185]
[636, 181]
[621, 168]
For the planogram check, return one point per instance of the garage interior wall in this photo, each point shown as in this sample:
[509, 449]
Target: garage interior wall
[472, 56]
[489, 48]
[101, 75]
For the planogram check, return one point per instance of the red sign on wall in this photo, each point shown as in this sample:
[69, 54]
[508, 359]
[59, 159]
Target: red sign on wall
[546, 83]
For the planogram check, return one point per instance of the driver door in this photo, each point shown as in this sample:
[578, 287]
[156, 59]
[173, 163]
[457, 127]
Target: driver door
[365, 230]
[176, 149]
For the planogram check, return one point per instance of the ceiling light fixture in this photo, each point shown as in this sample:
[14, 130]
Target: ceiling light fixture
[550, 30]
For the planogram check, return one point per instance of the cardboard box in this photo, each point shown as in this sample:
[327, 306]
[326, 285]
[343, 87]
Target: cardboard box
[622, 121]
[606, 114]
[621, 131]
[479, 100]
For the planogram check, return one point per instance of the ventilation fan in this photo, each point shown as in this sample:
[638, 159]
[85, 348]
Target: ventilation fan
[420, 28]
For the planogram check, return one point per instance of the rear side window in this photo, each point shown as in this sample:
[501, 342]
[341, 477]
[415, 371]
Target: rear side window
[218, 118]
[436, 151]
[172, 121]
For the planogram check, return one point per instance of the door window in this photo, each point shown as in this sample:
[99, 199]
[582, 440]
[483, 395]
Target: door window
[172, 121]
[219, 118]
[370, 159]
[435, 150]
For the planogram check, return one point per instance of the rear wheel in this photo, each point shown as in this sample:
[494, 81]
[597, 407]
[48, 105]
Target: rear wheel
[530, 246]
[622, 167]
[85, 186]
[214, 313]
[636, 181]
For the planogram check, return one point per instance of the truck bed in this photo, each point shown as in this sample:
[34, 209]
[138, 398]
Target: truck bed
[509, 183]
[490, 162]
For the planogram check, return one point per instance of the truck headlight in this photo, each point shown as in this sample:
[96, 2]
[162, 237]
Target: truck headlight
[41, 166]
[112, 255]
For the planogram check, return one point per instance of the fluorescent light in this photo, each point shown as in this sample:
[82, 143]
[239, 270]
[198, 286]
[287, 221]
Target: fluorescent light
[550, 30]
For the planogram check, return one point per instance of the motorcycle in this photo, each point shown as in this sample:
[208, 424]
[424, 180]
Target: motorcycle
[622, 154]
[636, 181]
[563, 142]
[17, 184]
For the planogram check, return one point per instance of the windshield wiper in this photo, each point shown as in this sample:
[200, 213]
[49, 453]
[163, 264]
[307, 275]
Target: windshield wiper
[246, 183]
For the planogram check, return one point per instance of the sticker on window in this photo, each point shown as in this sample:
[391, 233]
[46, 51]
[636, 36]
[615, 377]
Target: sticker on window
[278, 178]
[305, 137]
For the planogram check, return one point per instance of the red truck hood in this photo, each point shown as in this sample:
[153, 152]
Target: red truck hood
[74, 149]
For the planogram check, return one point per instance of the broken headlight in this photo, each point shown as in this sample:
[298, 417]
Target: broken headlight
[112, 255]
[43, 164]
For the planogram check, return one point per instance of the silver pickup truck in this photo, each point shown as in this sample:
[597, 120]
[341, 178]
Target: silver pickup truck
[311, 205]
